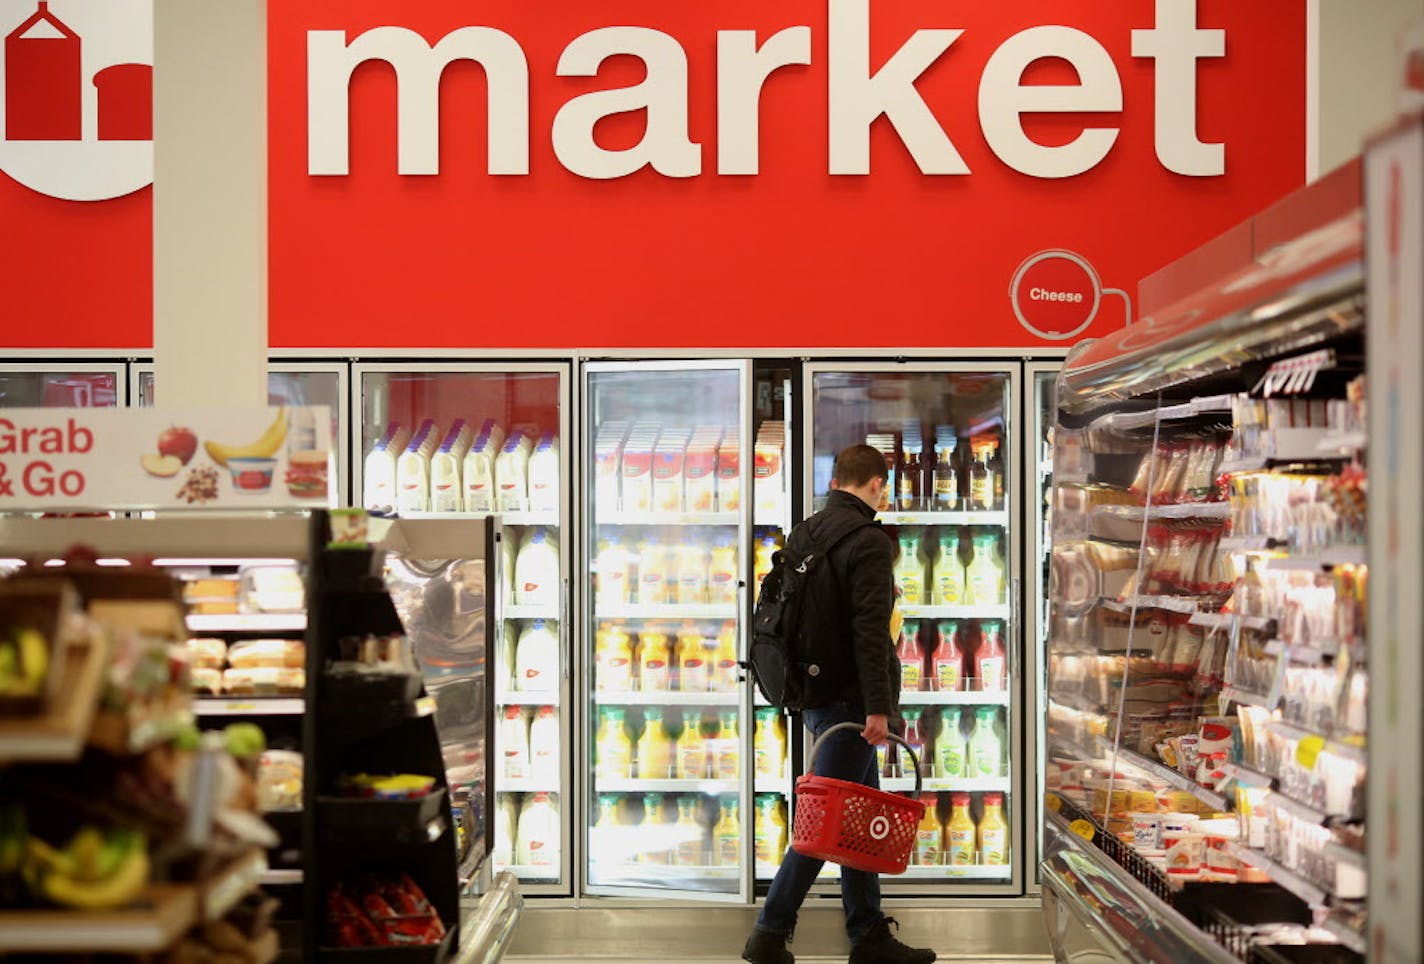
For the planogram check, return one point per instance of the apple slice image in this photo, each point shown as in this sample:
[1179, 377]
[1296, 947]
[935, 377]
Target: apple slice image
[162, 466]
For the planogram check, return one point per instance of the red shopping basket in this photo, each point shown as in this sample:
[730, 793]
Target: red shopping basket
[854, 825]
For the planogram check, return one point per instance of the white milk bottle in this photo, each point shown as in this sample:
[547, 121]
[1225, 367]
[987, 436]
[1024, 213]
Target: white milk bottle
[478, 472]
[508, 646]
[536, 659]
[506, 818]
[413, 469]
[538, 844]
[544, 745]
[536, 571]
[511, 475]
[611, 572]
[379, 479]
[446, 491]
[544, 476]
[514, 743]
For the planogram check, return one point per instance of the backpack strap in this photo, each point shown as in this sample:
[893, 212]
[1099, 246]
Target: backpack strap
[833, 535]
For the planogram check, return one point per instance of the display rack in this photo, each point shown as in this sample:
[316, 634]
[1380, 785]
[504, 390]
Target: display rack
[385, 724]
[1184, 788]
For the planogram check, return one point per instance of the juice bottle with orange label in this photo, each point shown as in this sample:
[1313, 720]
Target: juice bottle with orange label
[959, 834]
[726, 764]
[654, 659]
[725, 675]
[691, 748]
[613, 658]
[929, 835]
[993, 832]
[727, 837]
[692, 671]
[656, 750]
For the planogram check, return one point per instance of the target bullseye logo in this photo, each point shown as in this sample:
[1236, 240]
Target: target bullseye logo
[879, 827]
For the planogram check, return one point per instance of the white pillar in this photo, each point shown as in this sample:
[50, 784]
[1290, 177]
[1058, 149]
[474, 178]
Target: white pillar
[210, 202]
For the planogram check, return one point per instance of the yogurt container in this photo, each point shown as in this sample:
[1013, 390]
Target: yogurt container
[251, 476]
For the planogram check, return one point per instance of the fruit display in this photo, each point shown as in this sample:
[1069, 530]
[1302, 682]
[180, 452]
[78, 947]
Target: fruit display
[96, 870]
[24, 663]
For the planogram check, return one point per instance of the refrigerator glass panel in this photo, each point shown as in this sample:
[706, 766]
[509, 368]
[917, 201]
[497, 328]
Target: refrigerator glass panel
[666, 729]
[947, 447]
[456, 442]
[772, 519]
[59, 389]
[283, 388]
[1044, 408]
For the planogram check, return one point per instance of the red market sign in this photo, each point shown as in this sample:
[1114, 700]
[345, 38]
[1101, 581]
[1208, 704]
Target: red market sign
[834, 173]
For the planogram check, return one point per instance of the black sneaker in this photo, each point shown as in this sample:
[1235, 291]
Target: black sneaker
[880, 947]
[764, 947]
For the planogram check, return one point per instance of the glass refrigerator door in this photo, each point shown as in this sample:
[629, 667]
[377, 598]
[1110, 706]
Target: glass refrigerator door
[61, 385]
[668, 516]
[1040, 384]
[947, 434]
[450, 440]
[288, 383]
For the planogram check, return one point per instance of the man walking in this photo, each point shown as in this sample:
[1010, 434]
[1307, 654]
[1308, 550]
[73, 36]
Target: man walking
[867, 693]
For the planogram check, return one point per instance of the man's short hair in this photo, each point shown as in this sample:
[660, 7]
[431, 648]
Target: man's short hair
[857, 465]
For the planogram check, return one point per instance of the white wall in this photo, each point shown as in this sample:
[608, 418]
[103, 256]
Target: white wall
[1357, 72]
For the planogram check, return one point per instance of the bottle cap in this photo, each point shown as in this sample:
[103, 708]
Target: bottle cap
[959, 799]
[993, 799]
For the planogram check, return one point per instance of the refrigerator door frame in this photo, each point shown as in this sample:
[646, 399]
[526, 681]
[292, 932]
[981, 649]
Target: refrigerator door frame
[563, 368]
[341, 369]
[118, 368]
[745, 881]
[1035, 545]
[1012, 370]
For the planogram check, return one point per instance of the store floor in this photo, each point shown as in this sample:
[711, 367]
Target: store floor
[707, 934]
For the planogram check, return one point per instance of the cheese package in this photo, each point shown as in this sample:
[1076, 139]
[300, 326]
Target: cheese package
[263, 681]
[255, 653]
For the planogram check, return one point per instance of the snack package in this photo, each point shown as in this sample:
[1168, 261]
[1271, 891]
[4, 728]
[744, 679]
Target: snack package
[278, 653]
[206, 681]
[263, 681]
[207, 653]
[279, 781]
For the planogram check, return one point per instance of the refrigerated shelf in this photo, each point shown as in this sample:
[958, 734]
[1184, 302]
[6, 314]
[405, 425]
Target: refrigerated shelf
[954, 518]
[248, 706]
[530, 785]
[666, 698]
[955, 698]
[667, 611]
[668, 519]
[949, 872]
[955, 612]
[516, 698]
[517, 611]
[247, 623]
[1306, 890]
[636, 785]
[950, 784]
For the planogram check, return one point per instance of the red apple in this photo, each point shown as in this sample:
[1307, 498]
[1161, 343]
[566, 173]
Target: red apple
[180, 443]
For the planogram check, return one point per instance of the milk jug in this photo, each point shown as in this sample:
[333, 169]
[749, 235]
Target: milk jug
[506, 817]
[536, 657]
[536, 571]
[477, 475]
[379, 478]
[514, 743]
[511, 474]
[544, 476]
[538, 844]
[446, 489]
[544, 745]
[413, 469]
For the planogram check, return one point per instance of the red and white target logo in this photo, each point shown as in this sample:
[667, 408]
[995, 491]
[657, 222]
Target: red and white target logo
[76, 121]
[1057, 294]
[879, 827]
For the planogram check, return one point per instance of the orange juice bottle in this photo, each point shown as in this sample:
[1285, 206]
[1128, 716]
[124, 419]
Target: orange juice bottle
[692, 671]
[613, 658]
[993, 832]
[724, 668]
[691, 748]
[654, 662]
[727, 836]
[929, 836]
[729, 747]
[959, 833]
[656, 750]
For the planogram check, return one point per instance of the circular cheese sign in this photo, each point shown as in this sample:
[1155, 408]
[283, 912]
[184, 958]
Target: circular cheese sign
[1055, 295]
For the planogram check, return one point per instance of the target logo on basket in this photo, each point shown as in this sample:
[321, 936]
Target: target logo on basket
[76, 121]
[879, 827]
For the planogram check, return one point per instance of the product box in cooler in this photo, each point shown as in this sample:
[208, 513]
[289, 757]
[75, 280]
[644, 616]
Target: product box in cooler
[669, 459]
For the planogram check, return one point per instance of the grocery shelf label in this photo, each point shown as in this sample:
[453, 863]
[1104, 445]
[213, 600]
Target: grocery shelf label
[117, 459]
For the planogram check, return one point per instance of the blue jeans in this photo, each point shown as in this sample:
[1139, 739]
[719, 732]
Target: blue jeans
[845, 756]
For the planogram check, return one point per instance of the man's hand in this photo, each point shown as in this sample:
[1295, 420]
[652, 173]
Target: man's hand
[877, 729]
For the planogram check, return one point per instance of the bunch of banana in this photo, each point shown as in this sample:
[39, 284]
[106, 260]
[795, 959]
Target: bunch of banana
[96, 871]
[265, 446]
[24, 661]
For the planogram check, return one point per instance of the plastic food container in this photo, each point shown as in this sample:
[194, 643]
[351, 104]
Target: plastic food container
[252, 475]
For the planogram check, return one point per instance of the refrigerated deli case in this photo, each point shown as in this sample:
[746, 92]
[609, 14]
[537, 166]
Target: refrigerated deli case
[1207, 666]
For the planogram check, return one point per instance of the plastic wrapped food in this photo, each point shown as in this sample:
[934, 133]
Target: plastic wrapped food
[207, 653]
[279, 781]
[272, 589]
[210, 589]
[255, 653]
[263, 681]
[205, 680]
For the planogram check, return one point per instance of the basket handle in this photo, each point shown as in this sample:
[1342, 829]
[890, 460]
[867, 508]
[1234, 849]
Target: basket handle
[811, 761]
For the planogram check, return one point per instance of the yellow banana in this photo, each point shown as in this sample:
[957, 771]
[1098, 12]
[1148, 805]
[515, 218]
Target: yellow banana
[269, 442]
[34, 656]
[122, 887]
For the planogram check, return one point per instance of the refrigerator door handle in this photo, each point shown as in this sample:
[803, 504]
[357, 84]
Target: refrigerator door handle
[1015, 607]
[565, 630]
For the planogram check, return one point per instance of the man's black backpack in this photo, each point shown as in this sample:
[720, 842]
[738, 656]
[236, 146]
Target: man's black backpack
[793, 656]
